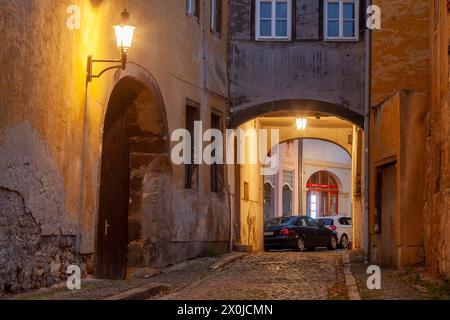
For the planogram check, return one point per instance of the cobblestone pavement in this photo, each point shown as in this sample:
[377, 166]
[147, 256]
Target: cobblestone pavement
[265, 276]
[177, 276]
[395, 285]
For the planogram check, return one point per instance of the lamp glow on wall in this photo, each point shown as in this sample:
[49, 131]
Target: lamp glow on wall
[302, 123]
[124, 31]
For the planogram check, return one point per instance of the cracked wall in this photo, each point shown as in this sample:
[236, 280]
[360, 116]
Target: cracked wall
[51, 127]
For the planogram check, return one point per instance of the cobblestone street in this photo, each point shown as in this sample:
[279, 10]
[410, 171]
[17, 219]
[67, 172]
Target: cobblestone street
[282, 275]
[270, 275]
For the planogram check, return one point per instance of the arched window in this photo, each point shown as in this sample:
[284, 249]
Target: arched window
[322, 196]
[287, 201]
[268, 201]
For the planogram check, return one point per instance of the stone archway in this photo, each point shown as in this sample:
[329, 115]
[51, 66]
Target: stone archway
[240, 116]
[135, 166]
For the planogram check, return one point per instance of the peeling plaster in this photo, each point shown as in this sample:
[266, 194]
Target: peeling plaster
[27, 167]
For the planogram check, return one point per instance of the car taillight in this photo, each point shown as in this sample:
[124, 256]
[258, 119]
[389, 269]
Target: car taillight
[333, 228]
[284, 232]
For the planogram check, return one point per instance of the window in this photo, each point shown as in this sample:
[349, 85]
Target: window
[327, 222]
[216, 16]
[273, 19]
[190, 7]
[322, 195]
[341, 20]
[269, 191]
[217, 170]
[287, 201]
[191, 170]
[281, 222]
[193, 8]
[312, 223]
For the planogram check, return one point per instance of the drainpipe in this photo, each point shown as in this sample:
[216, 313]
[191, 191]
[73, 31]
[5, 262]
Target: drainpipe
[367, 99]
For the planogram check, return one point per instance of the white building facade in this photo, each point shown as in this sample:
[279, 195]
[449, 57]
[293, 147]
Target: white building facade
[314, 179]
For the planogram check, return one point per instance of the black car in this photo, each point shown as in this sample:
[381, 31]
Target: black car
[298, 233]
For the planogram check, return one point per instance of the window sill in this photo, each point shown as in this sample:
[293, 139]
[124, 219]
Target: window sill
[273, 39]
[341, 39]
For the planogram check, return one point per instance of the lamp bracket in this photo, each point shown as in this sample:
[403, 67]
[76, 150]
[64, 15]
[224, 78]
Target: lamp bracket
[91, 61]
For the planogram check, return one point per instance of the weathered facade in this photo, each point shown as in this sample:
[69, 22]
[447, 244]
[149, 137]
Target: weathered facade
[437, 191]
[399, 98]
[55, 129]
[85, 168]
[410, 136]
[397, 151]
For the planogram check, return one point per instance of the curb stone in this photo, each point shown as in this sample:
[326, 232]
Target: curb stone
[350, 281]
[141, 293]
[227, 260]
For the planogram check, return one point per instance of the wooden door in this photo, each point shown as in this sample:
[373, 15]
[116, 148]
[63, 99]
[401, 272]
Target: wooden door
[388, 216]
[112, 239]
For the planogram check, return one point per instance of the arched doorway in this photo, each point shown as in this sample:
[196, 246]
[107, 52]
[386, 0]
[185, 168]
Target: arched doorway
[134, 161]
[322, 195]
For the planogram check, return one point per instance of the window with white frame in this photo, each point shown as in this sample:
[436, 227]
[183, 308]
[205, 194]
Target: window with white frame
[190, 7]
[193, 8]
[216, 16]
[341, 19]
[273, 19]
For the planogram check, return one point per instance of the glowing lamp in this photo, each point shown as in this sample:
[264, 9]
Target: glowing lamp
[302, 123]
[124, 32]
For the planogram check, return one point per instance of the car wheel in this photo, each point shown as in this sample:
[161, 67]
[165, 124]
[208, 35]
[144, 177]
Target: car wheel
[300, 245]
[344, 242]
[333, 243]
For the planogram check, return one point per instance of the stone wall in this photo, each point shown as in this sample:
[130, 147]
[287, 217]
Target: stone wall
[437, 196]
[28, 259]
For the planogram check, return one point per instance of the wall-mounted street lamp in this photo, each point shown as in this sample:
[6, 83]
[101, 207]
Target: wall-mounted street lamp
[302, 123]
[124, 31]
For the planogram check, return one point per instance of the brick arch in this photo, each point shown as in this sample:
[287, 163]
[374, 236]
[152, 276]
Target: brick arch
[296, 105]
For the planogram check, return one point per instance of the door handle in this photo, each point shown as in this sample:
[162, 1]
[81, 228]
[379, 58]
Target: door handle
[106, 227]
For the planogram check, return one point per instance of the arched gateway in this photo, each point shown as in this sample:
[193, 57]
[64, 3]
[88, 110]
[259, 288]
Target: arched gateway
[134, 162]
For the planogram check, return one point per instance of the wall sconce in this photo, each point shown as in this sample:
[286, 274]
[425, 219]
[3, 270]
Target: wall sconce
[302, 123]
[124, 31]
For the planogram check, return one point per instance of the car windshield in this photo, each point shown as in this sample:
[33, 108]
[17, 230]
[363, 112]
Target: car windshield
[280, 222]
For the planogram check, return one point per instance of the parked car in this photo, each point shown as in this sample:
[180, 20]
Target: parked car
[298, 233]
[343, 228]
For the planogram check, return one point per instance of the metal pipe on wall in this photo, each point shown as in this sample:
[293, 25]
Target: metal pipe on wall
[367, 104]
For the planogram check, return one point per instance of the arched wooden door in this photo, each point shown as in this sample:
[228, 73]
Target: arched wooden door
[112, 239]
